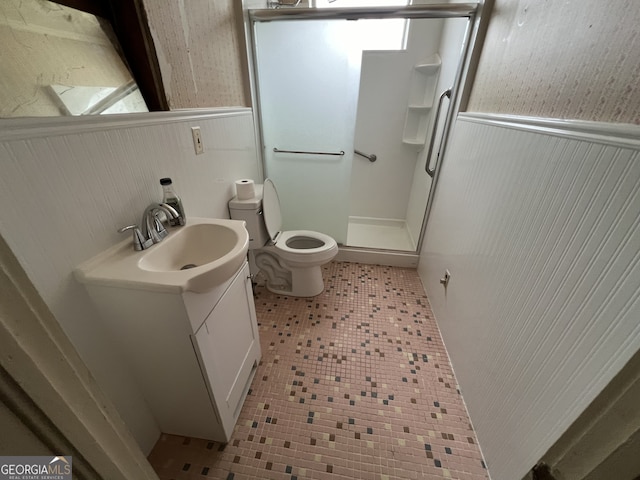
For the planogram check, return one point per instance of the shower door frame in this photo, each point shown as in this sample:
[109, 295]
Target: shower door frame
[471, 11]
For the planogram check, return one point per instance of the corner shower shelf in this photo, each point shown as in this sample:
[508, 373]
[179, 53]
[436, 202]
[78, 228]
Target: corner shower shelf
[424, 79]
[431, 68]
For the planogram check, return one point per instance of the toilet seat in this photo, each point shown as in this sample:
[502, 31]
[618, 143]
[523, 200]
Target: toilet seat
[303, 246]
[286, 248]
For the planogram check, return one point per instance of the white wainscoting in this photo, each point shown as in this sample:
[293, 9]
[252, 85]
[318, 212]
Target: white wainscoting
[67, 185]
[539, 224]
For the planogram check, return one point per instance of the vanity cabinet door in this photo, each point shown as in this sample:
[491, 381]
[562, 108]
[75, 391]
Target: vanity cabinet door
[229, 349]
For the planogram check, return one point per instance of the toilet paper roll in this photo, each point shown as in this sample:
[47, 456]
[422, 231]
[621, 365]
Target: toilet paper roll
[245, 189]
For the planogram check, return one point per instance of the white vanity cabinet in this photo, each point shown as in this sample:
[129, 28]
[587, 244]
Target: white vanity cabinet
[228, 349]
[194, 354]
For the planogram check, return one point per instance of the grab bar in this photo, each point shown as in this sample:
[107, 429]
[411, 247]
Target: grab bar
[371, 157]
[308, 153]
[431, 172]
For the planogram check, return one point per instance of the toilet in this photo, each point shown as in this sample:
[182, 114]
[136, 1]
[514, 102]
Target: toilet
[291, 260]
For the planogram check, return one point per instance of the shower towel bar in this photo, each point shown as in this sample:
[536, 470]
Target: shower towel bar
[372, 157]
[340, 153]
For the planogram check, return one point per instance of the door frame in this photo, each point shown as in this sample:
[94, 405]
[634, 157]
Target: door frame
[47, 386]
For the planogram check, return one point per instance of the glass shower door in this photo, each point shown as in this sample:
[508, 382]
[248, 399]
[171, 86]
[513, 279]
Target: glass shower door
[308, 77]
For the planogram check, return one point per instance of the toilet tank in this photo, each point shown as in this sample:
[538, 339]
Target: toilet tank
[251, 212]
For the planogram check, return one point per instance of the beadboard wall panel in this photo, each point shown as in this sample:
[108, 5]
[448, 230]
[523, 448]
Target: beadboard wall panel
[540, 228]
[65, 190]
[572, 60]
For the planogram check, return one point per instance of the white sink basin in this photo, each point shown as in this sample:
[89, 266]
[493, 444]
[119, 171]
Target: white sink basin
[196, 257]
[191, 246]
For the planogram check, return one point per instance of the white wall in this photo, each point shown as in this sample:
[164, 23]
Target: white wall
[539, 227]
[67, 186]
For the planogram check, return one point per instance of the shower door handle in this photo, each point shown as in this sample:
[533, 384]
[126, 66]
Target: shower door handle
[431, 171]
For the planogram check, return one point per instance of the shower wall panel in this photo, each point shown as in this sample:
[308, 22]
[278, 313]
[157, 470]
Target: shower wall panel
[382, 189]
[451, 42]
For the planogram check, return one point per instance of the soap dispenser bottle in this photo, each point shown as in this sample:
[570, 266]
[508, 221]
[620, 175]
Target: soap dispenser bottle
[170, 197]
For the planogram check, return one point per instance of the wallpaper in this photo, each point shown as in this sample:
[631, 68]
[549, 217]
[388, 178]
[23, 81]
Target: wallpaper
[564, 59]
[201, 57]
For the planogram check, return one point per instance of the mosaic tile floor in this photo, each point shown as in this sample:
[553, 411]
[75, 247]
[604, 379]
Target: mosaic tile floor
[353, 384]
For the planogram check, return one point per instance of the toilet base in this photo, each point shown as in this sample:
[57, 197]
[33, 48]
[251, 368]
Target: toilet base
[306, 282]
[286, 280]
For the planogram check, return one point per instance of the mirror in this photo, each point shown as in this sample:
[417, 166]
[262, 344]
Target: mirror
[60, 61]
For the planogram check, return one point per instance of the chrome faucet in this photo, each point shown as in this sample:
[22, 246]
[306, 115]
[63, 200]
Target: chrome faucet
[152, 227]
[152, 230]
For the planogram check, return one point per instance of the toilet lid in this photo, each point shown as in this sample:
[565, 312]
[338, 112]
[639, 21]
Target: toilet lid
[271, 209]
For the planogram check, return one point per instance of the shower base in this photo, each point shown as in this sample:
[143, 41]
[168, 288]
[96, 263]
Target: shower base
[379, 233]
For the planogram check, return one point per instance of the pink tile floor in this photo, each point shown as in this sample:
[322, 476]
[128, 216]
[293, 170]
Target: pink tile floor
[353, 384]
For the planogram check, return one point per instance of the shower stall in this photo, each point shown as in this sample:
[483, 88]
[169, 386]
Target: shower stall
[352, 105]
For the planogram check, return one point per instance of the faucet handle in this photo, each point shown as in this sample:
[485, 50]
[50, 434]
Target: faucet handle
[139, 242]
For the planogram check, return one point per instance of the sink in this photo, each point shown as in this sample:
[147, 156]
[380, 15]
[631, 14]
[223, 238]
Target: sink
[194, 245]
[196, 257]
